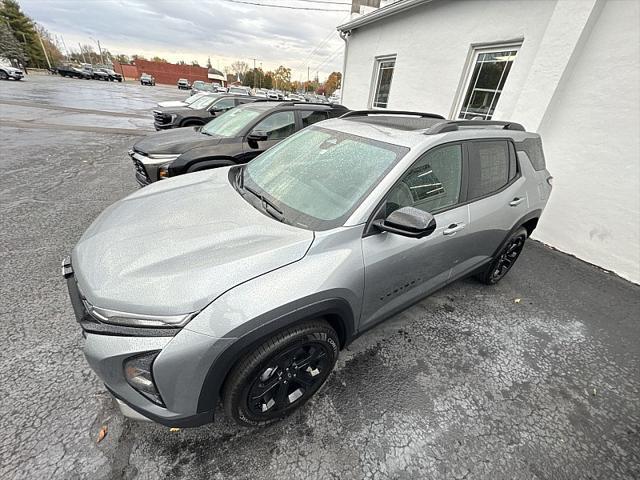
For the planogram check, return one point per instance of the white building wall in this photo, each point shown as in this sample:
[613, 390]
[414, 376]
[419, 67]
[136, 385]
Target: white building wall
[591, 136]
[576, 81]
[432, 43]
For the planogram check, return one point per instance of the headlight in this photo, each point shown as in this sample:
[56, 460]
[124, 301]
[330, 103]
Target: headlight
[163, 171]
[138, 373]
[136, 320]
[161, 158]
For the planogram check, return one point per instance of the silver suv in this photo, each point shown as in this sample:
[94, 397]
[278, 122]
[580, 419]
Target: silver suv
[242, 284]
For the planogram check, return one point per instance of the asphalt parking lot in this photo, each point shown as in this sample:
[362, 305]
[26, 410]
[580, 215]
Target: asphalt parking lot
[535, 378]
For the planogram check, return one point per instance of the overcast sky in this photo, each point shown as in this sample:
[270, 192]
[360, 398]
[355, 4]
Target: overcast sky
[196, 29]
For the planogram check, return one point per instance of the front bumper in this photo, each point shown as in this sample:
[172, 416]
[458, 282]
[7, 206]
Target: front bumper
[180, 371]
[16, 75]
[163, 126]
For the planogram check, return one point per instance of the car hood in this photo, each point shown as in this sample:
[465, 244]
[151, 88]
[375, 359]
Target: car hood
[172, 104]
[173, 247]
[176, 140]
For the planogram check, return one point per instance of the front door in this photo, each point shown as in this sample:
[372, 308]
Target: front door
[400, 270]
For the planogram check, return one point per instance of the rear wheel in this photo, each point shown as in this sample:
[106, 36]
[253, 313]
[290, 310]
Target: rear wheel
[281, 374]
[505, 259]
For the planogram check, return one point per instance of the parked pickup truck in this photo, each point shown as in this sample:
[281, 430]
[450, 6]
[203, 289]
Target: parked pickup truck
[74, 72]
[198, 113]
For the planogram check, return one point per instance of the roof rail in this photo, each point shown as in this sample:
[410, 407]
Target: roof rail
[366, 113]
[453, 125]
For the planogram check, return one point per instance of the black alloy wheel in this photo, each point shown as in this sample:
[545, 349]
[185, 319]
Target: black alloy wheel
[281, 374]
[505, 259]
[290, 377]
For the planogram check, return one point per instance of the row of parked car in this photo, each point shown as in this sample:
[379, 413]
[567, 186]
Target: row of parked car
[248, 124]
[292, 228]
[88, 72]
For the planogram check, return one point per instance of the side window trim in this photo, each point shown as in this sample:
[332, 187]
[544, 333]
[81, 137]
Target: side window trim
[378, 212]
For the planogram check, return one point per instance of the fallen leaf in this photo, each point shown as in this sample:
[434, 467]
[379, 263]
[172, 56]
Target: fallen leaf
[594, 392]
[517, 300]
[174, 429]
[102, 433]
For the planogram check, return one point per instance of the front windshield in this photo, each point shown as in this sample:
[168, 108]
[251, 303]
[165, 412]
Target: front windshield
[231, 123]
[319, 176]
[193, 98]
[203, 102]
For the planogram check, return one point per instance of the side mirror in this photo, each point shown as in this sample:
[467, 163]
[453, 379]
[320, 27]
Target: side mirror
[409, 222]
[257, 136]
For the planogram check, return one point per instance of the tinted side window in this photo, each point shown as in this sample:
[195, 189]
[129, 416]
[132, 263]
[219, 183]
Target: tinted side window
[278, 125]
[309, 118]
[488, 167]
[430, 184]
[224, 104]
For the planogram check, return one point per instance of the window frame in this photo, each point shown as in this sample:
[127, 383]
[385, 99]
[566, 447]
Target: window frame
[377, 65]
[378, 212]
[263, 118]
[214, 105]
[474, 52]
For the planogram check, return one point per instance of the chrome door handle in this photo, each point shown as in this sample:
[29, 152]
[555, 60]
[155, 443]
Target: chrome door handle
[453, 228]
[516, 201]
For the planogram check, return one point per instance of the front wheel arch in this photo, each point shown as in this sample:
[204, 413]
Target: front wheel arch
[209, 163]
[335, 311]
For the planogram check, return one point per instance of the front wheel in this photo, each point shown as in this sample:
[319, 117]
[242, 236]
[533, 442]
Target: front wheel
[505, 259]
[281, 374]
[3, 76]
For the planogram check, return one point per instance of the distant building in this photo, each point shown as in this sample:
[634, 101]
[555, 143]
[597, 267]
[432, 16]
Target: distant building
[568, 69]
[169, 73]
[216, 76]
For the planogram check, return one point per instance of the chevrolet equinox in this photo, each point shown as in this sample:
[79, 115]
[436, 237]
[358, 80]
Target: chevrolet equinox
[242, 283]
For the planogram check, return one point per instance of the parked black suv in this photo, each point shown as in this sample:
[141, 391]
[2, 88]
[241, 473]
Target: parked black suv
[233, 138]
[198, 113]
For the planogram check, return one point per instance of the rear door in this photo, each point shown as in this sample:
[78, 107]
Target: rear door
[277, 126]
[497, 198]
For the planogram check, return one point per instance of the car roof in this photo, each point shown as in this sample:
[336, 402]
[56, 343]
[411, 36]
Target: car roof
[264, 105]
[422, 132]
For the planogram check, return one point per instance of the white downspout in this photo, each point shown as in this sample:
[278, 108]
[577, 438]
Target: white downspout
[344, 36]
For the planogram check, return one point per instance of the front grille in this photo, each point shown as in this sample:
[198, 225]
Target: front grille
[160, 117]
[137, 164]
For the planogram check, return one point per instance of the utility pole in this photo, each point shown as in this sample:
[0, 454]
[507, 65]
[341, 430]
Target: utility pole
[82, 52]
[254, 73]
[66, 49]
[100, 50]
[43, 49]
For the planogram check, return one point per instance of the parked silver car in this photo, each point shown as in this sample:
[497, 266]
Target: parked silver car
[242, 284]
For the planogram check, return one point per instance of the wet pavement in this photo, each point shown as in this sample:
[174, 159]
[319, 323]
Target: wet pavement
[535, 378]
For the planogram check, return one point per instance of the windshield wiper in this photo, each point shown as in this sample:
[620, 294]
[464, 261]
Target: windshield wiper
[265, 203]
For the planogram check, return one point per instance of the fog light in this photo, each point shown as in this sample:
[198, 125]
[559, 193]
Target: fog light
[138, 373]
[163, 172]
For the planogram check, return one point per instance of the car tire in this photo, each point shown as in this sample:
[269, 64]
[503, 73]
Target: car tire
[505, 259]
[281, 374]
[3, 75]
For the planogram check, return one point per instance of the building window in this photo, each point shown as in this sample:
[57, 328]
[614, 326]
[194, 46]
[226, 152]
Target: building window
[383, 75]
[485, 80]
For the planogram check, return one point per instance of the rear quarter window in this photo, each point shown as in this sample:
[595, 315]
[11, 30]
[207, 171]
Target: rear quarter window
[533, 148]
